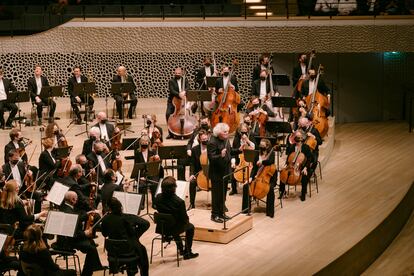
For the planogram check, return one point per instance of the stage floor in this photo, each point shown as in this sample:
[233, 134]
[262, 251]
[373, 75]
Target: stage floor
[368, 173]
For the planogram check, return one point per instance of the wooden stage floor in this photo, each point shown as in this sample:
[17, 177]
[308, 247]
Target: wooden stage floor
[369, 171]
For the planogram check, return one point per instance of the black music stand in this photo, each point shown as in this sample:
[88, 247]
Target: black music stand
[149, 169]
[283, 101]
[49, 92]
[211, 81]
[172, 152]
[63, 152]
[250, 155]
[198, 96]
[129, 143]
[119, 88]
[84, 89]
[19, 97]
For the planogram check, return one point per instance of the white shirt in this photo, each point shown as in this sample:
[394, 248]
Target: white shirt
[101, 163]
[123, 79]
[78, 79]
[51, 156]
[16, 144]
[104, 132]
[311, 86]
[145, 155]
[38, 84]
[3, 95]
[303, 68]
[208, 72]
[225, 81]
[179, 85]
[16, 174]
[262, 89]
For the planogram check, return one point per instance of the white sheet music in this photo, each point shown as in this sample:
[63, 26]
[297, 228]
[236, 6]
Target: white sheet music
[130, 202]
[181, 191]
[57, 193]
[119, 178]
[3, 238]
[60, 223]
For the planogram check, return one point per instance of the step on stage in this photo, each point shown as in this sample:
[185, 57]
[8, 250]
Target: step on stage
[207, 230]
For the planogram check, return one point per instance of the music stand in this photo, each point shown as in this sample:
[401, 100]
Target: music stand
[172, 152]
[62, 152]
[128, 143]
[250, 155]
[19, 97]
[198, 96]
[283, 101]
[211, 81]
[84, 89]
[280, 79]
[119, 88]
[49, 92]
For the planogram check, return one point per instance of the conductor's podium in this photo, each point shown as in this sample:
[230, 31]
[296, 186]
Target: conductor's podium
[209, 231]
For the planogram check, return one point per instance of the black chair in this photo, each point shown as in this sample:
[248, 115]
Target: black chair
[32, 269]
[64, 254]
[121, 256]
[8, 229]
[165, 221]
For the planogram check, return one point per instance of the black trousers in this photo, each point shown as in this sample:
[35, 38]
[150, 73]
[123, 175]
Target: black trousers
[45, 102]
[304, 183]
[189, 235]
[169, 111]
[218, 194]
[75, 106]
[270, 199]
[92, 261]
[119, 105]
[181, 165]
[4, 106]
[193, 191]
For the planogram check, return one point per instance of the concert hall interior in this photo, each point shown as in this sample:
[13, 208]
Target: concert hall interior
[230, 137]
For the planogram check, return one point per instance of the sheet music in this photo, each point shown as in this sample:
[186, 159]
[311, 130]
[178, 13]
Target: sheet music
[130, 202]
[57, 193]
[60, 223]
[180, 191]
[3, 238]
[119, 178]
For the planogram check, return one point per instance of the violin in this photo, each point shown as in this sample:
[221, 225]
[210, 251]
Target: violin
[116, 146]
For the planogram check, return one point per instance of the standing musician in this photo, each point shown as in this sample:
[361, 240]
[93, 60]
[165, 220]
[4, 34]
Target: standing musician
[207, 70]
[309, 86]
[34, 86]
[261, 86]
[99, 160]
[299, 147]
[255, 110]
[222, 82]
[242, 140]
[264, 60]
[48, 163]
[76, 99]
[196, 151]
[219, 157]
[16, 142]
[106, 129]
[82, 238]
[123, 77]
[300, 70]
[263, 159]
[94, 136]
[177, 89]
[5, 86]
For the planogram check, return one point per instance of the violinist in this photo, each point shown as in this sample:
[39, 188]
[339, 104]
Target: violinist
[106, 129]
[261, 86]
[298, 146]
[108, 188]
[99, 160]
[257, 108]
[264, 61]
[265, 158]
[196, 151]
[177, 88]
[94, 136]
[55, 132]
[48, 164]
[242, 140]
[248, 121]
[123, 77]
[76, 99]
[222, 82]
[151, 126]
[5, 86]
[16, 142]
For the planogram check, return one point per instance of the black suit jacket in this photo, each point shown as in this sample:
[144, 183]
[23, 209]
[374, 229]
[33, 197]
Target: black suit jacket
[201, 74]
[218, 165]
[8, 86]
[110, 128]
[267, 162]
[233, 80]
[71, 85]
[195, 160]
[46, 163]
[117, 78]
[256, 87]
[107, 191]
[32, 87]
[139, 158]
[10, 146]
[296, 74]
[176, 207]
[22, 170]
[174, 89]
[94, 162]
[322, 88]
[87, 147]
[83, 202]
[305, 150]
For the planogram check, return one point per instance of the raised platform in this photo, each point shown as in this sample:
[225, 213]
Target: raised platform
[209, 231]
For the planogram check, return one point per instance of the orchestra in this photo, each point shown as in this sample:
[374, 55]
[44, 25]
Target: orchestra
[216, 154]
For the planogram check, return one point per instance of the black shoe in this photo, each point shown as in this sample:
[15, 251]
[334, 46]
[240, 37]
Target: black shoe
[303, 197]
[39, 122]
[226, 217]
[129, 116]
[217, 219]
[168, 137]
[190, 255]
[78, 121]
[233, 193]
[191, 206]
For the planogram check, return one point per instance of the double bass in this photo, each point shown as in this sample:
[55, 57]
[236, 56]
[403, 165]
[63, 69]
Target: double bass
[181, 123]
[260, 186]
[228, 100]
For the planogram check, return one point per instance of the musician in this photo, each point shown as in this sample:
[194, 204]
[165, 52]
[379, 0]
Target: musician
[177, 88]
[132, 229]
[168, 202]
[309, 85]
[82, 238]
[55, 132]
[12, 209]
[219, 157]
[16, 142]
[300, 70]
[243, 139]
[264, 61]
[83, 182]
[48, 163]
[248, 121]
[222, 82]
[99, 160]
[196, 151]
[151, 126]
[265, 158]
[123, 77]
[108, 188]
[34, 85]
[207, 70]
[75, 98]
[5, 87]
[254, 112]
[299, 147]
[261, 87]
[306, 126]
[106, 129]
[36, 252]
[94, 136]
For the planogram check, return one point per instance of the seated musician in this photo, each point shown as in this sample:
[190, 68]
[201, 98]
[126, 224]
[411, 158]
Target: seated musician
[108, 188]
[151, 126]
[12, 209]
[123, 77]
[99, 160]
[196, 151]
[5, 87]
[299, 147]
[176, 89]
[75, 98]
[106, 129]
[243, 139]
[168, 202]
[17, 170]
[306, 126]
[34, 86]
[83, 182]
[82, 238]
[94, 136]
[132, 229]
[48, 164]
[55, 132]
[16, 142]
[36, 252]
[261, 86]
[263, 159]
[256, 109]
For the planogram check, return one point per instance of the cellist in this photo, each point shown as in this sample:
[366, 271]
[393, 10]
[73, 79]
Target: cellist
[254, 111]
[312, 133]
[264, 158]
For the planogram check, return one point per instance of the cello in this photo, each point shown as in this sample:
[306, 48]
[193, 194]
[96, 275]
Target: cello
[228, 100]
[181, 123]
[292, 173]
[260, 186]
[203, 182]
